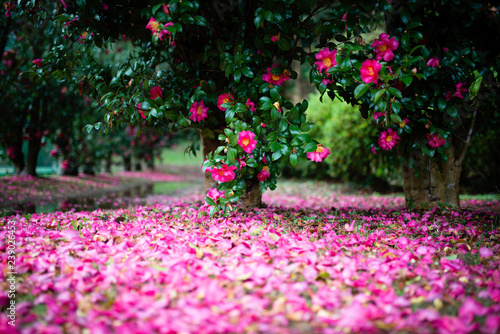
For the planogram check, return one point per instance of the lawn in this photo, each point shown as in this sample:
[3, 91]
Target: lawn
[315, 260]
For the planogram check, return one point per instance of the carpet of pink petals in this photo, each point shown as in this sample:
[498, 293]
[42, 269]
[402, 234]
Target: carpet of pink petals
[312, 261]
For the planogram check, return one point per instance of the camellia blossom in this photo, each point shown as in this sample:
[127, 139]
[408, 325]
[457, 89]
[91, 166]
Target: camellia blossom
[404, 123]
[246, 141]
[459, 90]
[224, 98]
[154, 26]
[369, 71]
[384, 47]
[139, 110]
[214, 194]
[433, 62]
[155, 92]
[223, 174]
[388, 139]
[435, 140]
[198, 111]
[264, 174]
[318, 155]
[250, 105]
[275, 79]
[38, 62]
[326, 59]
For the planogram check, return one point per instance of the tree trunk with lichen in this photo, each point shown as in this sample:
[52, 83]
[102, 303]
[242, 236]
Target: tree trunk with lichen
[251, 198]
[428, 184]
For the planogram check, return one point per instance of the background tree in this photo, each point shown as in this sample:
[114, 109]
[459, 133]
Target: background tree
[219, 66]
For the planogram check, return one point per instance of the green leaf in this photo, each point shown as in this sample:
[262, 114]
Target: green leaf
[442, 103]
[276, 155]
[311, 147]
[395, 118]
[283, 125]
[231, 154]
[396, 92]
[247, 71]
[237, 75]
[452, 111]
[293, 159]
[283, 44]
[378, 95]
[360, 90]
[210, 201]
[272, 136]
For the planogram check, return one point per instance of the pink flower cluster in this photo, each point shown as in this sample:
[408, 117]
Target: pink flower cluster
[275, 79]
[435, 140]
[388, 139]
[198, 111]
[459, 89]
[384, 47]
[223, 174]
[246, 141]
[319, 154]
[154, 26]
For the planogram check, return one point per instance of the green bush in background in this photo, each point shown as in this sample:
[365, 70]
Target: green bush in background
[340, 128]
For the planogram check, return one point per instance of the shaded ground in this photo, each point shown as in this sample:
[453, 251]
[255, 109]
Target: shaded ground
[52, 193]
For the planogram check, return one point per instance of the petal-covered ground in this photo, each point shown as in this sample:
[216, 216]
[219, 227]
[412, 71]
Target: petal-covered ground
[319, 263]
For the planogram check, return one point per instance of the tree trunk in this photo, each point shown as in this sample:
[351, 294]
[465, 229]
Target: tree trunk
[32, 158]
[251, 198]
[107, 164]
[451, 175]
[16, 156]
[429, 184]
[423, 184]
[127, 164]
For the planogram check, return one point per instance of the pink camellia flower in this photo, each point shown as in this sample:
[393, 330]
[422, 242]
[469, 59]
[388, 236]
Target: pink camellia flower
[374, 150]
[404, 123]
[154, 26]
[433, 62]
[276, 37]
[377, 115]
[384, 47]
[11, 152]
[65, 164]
[264, 174]
[326, 59]
[326, 81]
[318, 155]
[8, 7]
[275, 79]
[223, 174]
[246, 141]
[198, 111]
[224, 98]
[435, 140]
[459, 90]
[388, 139]
[250, 105]
[140, 111]
[369, 71]
[155, 92]
[214, 194]
[38, 62]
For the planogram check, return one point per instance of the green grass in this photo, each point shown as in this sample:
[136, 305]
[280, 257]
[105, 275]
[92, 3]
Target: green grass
[178, 156]
[168, 187]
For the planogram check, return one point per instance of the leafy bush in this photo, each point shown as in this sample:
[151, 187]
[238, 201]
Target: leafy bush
[348, 136]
